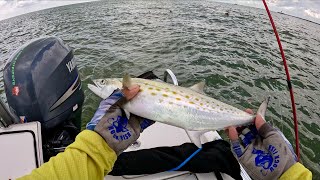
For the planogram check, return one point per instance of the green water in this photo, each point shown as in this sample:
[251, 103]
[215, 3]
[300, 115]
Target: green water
[237, 55]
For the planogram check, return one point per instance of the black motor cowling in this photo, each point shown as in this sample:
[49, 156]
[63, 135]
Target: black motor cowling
[42, 84]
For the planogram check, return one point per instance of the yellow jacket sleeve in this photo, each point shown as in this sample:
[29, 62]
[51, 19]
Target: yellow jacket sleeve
[297, 171]
[89, 157]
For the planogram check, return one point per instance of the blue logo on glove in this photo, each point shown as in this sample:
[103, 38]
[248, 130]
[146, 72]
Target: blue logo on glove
[119, 129]
[267, 160]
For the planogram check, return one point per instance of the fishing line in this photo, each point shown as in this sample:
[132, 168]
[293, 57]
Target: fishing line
[272, 80]
[288, 79]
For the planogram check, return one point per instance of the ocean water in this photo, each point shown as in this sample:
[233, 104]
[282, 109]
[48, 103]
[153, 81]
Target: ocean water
[237, 55]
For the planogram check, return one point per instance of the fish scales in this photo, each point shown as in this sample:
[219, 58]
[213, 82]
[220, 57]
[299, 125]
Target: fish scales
[175, 105]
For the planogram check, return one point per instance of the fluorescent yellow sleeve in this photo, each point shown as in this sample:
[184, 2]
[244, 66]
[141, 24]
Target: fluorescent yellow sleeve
[89, 157]
[297, 171]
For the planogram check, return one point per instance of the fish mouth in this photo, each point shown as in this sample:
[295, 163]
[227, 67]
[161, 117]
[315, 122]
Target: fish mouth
[95, 88]
[96, 84]
[103, 90]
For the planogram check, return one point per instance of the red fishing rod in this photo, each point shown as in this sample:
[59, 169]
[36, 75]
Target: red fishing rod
[294, 112]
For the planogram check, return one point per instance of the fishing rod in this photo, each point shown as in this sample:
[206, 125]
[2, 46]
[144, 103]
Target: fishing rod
[294, 112]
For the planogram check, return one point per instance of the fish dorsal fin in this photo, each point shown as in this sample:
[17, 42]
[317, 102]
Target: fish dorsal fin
[126, 81]
[198, 87]
[195, 137]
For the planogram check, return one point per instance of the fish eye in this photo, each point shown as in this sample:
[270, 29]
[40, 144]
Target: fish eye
[102, 81]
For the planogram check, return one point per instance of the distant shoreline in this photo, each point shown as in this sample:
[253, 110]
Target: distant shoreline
[275, 12]
[1, 20]
[299, 18]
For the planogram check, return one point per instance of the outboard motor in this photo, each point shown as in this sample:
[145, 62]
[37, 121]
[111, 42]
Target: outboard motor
[42, 84]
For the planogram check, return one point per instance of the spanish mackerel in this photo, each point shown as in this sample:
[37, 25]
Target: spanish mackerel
[187, 108]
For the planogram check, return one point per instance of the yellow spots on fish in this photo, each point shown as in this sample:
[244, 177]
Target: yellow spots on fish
[173, 92]
[197, 99]
[165, 95]
[150, 88]
[201, 104]
[140, 90]
[178, 99]
[146, 84]
[187, 96]
[170, 102]
[191, 102]
[153, 94]
[158, 89]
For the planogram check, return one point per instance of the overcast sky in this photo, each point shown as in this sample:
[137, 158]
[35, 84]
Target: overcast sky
[307, 9]
[11, 8]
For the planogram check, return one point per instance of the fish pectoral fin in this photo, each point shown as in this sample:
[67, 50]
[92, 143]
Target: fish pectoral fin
[126, 81]
[195, 137]
[198, 87]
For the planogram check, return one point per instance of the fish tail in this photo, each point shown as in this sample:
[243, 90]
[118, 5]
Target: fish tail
[263, 107]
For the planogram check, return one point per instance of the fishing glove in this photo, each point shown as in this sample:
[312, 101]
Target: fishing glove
[263, 150]
[111, 123]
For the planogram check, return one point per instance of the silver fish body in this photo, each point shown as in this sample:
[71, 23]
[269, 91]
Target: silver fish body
[174, 105]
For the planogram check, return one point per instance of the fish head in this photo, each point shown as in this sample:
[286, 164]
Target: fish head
[105, 87]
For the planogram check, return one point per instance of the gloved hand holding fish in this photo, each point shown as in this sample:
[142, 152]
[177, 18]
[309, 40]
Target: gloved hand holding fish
[117, 130]
[187, 108]
[265, 153]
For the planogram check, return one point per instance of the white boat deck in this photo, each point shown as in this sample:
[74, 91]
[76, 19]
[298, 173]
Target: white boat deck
[21, 149]
[159, 135]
